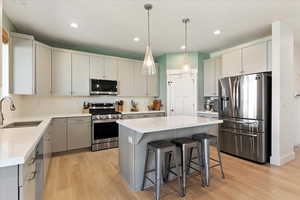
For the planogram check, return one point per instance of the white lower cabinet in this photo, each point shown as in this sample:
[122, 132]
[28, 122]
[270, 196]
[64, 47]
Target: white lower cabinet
[47, 147]
[79, 132]
[71, 133]
[59, 135]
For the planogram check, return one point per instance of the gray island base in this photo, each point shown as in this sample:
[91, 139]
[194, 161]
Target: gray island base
[134, 134]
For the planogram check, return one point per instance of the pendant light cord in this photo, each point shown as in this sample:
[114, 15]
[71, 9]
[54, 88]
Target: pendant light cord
[185, 38]
[148, 28]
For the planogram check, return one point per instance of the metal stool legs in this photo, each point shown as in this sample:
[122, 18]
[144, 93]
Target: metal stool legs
[169, 151]
[220, 160]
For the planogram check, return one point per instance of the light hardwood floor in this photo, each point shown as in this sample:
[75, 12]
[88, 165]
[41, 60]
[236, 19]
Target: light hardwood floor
[95, 176]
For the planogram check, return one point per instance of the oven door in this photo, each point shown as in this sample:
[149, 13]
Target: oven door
[104, 131]
[103, 87]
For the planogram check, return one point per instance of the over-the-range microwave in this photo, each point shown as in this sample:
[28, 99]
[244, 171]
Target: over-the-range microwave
[103, 87]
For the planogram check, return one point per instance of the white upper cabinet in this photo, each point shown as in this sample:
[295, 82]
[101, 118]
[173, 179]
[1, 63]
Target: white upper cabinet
[103, 67]
[210, 78]
[61, 72]
[80, 74]
[97, 67]
[232, 63]
[153, 84]
[111, 68]
[42, 69]
[140, 80]
[255, 58]
[125, 78]
[23, 64]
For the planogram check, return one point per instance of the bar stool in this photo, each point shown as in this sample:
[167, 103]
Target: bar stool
[185, 145]
[160, 147]
[205, 141]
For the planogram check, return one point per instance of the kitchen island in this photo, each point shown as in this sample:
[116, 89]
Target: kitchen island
[134, 134]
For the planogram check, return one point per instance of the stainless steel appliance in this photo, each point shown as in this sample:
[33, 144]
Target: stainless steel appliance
[105, 131]
[245, 107]
[103, 87]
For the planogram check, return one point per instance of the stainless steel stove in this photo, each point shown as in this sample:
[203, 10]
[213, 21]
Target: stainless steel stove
[105, 131]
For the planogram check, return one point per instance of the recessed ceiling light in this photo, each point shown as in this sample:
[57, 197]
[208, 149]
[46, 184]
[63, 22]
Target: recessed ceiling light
[182, 47]
[217, 32]
[74, 25]
[136, 39]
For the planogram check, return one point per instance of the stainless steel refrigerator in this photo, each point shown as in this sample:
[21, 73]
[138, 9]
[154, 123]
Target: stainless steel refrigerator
[245, 107]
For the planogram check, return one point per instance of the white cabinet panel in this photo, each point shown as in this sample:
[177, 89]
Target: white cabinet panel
[111, 68]
[140, 80]
[80, 75]
[218, 73]
[232, 63]
[61, 72]
[79, 132]
[153, 84]
[125, 78]
[59, 135]
[269, 44]
[210, 78]
[255, 58]
[42, 69]
[97, 67]
[23, 64]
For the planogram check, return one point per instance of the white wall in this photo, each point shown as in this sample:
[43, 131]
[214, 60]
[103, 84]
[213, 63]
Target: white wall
[297, 89]
[284, 104]
[27, 106]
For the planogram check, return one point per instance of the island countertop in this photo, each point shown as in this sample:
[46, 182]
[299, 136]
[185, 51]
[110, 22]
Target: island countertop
[155, 124]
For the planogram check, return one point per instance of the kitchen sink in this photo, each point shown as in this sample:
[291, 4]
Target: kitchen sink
[22, 124]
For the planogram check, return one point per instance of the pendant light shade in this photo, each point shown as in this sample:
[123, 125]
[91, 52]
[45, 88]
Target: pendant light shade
[148, 64]
[186, 66]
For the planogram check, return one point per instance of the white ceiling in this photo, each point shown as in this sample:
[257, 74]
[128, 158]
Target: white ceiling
[112, 24]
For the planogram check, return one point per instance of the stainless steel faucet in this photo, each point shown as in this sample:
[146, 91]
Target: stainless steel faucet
[12, 107]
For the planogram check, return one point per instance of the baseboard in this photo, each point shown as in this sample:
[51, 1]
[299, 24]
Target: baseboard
[283, 159]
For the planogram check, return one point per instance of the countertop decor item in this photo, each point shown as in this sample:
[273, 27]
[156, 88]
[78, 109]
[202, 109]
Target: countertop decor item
[155, 105]
[120, 106]
[134, 106]
[148, 64]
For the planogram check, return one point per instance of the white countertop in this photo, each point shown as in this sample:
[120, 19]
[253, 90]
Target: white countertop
[206, 112]
[16, 144]
[155, 124]
[143, 112]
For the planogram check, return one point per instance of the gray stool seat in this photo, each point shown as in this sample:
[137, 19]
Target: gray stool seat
[159, 148]
[185, 146]
[206, 140]
[160, 144]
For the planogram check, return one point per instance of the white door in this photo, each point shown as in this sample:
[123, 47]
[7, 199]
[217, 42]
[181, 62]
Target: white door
[181, 94]
[61, 72]
[80, 75]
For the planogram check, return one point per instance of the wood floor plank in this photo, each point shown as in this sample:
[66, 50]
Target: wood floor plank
[96, 176]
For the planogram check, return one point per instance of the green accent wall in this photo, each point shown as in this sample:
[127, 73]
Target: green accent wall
[85, 48]
[175, 61]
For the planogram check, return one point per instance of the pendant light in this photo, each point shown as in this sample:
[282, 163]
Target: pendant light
[148, 64]
[186, 67]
